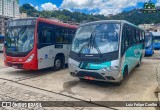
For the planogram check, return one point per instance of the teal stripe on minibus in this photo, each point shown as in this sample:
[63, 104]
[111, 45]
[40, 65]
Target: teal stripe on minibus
[94, 66]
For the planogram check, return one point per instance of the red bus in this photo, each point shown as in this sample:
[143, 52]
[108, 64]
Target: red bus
[37, 43]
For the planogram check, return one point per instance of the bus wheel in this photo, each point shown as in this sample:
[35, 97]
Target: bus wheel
[81, 79]
[57, 63]
[120, 82]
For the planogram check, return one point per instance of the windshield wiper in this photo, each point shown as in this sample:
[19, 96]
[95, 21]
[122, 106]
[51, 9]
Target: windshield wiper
[92, 43]
[21, 32]
[86, 44]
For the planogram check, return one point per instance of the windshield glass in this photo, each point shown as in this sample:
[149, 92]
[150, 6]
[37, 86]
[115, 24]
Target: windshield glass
[156, 39]
[19, 39]
[96, 39]
[148, 41]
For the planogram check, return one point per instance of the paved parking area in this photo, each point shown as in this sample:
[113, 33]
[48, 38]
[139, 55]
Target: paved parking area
[47, 84]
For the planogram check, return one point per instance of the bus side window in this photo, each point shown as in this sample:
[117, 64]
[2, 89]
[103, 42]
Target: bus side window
[47, 36]
[40, 33]
[138, 36]
[128, 37]
[141, 37]
[44, 36]
[133, 31]
[125, 43]
[59, 35]
[72, 33]
[66, 36]
[62, 35]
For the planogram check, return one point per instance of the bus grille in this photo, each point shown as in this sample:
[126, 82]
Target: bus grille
[16, 65]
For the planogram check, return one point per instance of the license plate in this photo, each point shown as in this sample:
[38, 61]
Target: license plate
[89, 78]
[16, 67]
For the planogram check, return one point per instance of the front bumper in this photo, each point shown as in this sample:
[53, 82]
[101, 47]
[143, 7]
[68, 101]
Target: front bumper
[97, 75]
[18, 65]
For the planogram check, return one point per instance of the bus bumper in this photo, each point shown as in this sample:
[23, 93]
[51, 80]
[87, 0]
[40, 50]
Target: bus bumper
[24, 66]
[97, 75]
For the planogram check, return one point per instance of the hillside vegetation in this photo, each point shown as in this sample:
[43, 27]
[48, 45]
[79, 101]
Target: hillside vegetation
[133, 16]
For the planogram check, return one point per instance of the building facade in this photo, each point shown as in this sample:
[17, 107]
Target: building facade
[9, 8]
[23, 15]
[3, 23]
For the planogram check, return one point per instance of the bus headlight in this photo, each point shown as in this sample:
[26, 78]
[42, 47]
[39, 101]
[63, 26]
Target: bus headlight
[30, 58]
[110, 69]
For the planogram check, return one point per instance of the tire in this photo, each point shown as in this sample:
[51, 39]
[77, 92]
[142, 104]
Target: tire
[81, 79]
[119, 83]
[58, 63]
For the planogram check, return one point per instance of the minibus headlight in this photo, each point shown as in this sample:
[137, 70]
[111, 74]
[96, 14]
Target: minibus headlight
[110, 69]
[30, 58]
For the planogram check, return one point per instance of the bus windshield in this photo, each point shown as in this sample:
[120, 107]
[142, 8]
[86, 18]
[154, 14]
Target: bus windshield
[97, 39]
[19, 39]
[156, 39]
[148, 41]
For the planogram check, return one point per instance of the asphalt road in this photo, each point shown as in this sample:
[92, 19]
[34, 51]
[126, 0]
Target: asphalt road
[140, 85]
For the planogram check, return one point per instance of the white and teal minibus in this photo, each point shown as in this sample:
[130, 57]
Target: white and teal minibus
[106, 50]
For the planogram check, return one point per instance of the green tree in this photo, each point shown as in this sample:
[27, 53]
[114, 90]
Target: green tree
[30, 10]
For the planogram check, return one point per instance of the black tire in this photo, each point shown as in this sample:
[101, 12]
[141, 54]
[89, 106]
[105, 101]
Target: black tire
[81, 79]
[119, 83]
[58, 63]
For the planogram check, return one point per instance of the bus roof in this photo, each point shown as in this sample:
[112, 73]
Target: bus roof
[57, 23]
[112, 21]
[48, 21]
